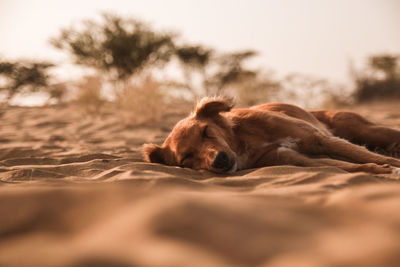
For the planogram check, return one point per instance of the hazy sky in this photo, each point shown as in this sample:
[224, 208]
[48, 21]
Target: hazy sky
[316, 37]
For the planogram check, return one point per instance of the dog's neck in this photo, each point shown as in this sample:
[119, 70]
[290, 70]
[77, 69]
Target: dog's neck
[246, 141]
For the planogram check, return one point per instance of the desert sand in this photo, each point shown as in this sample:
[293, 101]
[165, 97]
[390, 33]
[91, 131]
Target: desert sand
[76, 192]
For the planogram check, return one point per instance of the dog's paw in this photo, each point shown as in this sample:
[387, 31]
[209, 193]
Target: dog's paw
[396, 171]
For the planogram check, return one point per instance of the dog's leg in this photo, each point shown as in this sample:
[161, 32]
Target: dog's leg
[337, 147]
[357, 129]
[291, 157]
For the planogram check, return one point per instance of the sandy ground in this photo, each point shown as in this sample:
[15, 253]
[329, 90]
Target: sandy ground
[74, 191]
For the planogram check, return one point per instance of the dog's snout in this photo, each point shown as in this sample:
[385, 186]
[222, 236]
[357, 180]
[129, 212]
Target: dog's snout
[222, 161]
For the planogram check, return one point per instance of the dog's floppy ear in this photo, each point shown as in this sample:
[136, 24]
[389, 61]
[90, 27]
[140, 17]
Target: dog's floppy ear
[153, 153]
[210, 107]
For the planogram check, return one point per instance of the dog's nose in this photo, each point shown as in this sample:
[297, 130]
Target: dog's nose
[222, 161]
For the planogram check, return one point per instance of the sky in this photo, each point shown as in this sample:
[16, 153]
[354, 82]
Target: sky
[313, 37]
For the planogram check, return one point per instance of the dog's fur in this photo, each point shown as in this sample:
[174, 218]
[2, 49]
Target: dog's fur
[216, 138]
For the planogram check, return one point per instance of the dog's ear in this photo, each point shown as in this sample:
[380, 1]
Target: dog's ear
[153, 153]
[211, 107]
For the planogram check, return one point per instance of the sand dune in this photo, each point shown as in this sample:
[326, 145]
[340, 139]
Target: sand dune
[75, 192]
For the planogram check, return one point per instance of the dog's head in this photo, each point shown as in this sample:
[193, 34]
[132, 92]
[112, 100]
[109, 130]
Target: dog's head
[201, 141]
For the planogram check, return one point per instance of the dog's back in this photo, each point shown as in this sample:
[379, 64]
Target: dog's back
[293, 111]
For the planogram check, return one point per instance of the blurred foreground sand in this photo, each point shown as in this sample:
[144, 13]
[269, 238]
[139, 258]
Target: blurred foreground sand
[75, 192]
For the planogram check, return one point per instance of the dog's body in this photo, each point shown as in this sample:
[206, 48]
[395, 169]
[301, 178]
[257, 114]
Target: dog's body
[219, 139]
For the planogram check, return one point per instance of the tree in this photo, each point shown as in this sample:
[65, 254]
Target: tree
[387, 64]
[24, 76]
[194, 58]
[379, 79]
[119, 46]
[231, 70]
[216, 71]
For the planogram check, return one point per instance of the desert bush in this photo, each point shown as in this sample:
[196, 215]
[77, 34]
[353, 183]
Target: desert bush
[379, 79]
[231, 70]
[194, 60]
[89, 94]
[57, 92]
[24, 77]
[254, 90]
[304, 90]
[141, 100]
[337, 96]
[216, 72]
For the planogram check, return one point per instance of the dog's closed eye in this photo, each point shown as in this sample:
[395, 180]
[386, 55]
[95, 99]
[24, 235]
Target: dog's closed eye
[186, 157]
[204, 133]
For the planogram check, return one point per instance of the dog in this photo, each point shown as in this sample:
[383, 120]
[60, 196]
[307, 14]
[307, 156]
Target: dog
[220, 139]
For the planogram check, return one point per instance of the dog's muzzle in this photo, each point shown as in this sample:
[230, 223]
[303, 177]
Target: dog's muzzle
[223, 163]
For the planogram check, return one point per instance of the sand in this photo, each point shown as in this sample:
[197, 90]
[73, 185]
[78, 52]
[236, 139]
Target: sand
[76, 192]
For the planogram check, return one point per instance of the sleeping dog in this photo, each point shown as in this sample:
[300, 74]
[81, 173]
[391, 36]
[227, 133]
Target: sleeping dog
[220, 139]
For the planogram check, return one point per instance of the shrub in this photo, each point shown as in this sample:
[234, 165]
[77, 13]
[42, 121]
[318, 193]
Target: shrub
[141, 100]
[89, 94]
[24, 77]
[118, 46]
[380, 78]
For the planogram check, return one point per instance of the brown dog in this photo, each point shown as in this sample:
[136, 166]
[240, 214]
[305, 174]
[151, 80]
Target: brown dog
[220, 140]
